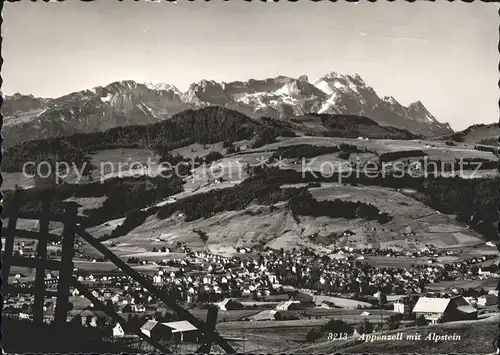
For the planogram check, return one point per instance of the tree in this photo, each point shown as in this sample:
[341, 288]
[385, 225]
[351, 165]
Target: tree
[365, 327]
[337, 326]
[394, 321]
[135, 320]
[382, 299]
[313, 335]
[101, 322]
[421, 321]
[77, 321]
[169, 317]
[344, 155]
[110, 304]
[132, 260]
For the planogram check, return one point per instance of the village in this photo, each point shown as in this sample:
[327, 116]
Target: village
[277, 286]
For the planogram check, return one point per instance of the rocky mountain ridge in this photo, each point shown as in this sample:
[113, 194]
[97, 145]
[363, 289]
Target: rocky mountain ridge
[129, 103]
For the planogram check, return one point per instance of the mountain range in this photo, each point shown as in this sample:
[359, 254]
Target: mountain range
[130, 103]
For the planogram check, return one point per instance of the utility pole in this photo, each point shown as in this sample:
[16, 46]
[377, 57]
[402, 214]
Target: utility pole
[383, 301]
[381, 320]
[243, 340]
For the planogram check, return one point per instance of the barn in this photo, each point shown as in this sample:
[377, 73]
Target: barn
[180, 331]
[436, 310]
[171, 331]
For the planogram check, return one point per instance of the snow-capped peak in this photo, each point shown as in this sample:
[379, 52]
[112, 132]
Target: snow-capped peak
[290, 89]
[278, 97]
[357, 78]
[160, 87]
[332, 75]
[390, 100]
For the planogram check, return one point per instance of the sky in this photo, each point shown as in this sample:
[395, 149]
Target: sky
[443, 54]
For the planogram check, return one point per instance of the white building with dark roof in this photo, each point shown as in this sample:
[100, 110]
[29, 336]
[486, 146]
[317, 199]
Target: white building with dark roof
[148, 327]
[436, 310]
[118, 331]
[401, 307]
[229, 304]
[181, 330]
[171, 331]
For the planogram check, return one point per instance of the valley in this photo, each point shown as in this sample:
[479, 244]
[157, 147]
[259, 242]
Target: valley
[186, 177]
[276, 210]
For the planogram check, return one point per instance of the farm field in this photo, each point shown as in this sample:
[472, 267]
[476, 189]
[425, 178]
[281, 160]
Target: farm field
[268, 340]
[475, 337]
[199, 150]
[227, 326]
[277, 227]
[286, 335]
[430, 226]
[87, 203]
[396, 262]
[487, 284]
[117, 162]
[11, 180]
[435, 149]
[341, 302]
[105, 228]
[225, 316]
[481, 132]
[122, 162]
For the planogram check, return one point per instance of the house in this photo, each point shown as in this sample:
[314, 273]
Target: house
[126, 309]
[138, 308]
[487, 300]
[91, 317]
[24, 315]
[157, 279]
[286, 315]
[462, 310]
[118, 331]
[436, 310]
[148, 327]
[115, 299]
[304, 297]
[181, 331]
[319, 312]
[264, 315]
[471, 300]
[401, 307]
[285, 306]
[229, 304]
[177, 331]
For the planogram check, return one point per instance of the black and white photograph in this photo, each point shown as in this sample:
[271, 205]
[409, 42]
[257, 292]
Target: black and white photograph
[250, 177]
